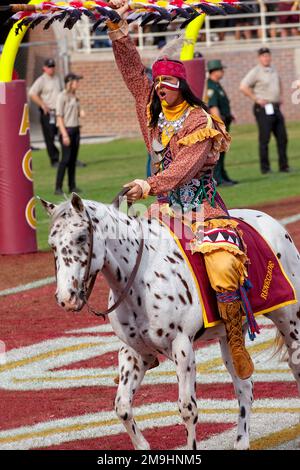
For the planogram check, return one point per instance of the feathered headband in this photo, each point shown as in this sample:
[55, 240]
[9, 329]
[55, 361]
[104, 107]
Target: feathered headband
[168, 67]
[99, 12]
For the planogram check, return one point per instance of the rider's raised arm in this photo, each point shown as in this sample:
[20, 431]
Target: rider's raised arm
[132, 70]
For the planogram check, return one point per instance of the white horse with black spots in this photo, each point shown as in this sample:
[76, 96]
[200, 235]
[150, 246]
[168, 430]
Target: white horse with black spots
[161, 313]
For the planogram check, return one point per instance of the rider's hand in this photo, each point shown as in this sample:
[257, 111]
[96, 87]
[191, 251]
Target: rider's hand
[134, 193]
[120, 5]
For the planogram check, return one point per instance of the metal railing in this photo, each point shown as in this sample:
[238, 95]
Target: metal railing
[213, 33]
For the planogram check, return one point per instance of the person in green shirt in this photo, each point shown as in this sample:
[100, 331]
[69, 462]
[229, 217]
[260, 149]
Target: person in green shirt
[219, 105]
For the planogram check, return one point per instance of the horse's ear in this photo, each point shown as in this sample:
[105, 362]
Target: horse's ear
[77, 203]
[48, 206]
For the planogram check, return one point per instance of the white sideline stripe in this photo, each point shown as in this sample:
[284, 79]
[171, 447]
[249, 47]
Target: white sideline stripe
[49, 280]
[30, 285]
[289, 220]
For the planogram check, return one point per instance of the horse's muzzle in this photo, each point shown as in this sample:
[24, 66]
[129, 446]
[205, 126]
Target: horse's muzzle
[74, 303]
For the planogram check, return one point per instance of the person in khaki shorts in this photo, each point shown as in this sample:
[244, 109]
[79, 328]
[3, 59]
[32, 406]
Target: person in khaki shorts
[44, 92]
[262, 85]
[68, 113]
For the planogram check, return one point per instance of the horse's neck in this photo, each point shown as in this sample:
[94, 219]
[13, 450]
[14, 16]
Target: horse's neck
[122, 242]
[122, 238]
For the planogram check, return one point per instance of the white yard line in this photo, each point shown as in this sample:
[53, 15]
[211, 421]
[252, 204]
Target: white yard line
[49, 280]
[290, 220]
[30, 285]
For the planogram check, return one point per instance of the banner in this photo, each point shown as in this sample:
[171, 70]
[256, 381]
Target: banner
[17, 204]
[195, 70]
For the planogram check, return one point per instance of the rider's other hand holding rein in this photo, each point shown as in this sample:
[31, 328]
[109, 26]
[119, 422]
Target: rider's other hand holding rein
[139, 190]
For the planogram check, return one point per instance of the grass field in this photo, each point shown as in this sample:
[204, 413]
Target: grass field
[110, 165]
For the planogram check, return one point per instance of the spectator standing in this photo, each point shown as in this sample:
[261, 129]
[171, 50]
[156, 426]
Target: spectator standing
[245, 21]
[44, 92]
[68, 114]
[219, 104]
[293, 18]
[271, 21]
[263, 86]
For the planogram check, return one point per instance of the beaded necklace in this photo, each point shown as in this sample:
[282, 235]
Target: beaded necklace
[171, 120]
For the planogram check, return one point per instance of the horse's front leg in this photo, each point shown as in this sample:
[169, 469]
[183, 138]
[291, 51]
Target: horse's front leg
[132, 368]
[184, 358]
[244, 394]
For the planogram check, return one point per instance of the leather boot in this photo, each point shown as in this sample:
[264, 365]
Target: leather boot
[232, 315]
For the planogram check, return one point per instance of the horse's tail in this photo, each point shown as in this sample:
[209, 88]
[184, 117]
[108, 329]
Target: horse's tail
[280, 349]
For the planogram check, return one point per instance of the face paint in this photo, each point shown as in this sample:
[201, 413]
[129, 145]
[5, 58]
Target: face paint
[166, 84]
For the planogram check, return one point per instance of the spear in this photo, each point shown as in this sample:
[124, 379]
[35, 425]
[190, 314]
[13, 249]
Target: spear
[100, 11]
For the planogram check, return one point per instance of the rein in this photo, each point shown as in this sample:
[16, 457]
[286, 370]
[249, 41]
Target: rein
[89, 281]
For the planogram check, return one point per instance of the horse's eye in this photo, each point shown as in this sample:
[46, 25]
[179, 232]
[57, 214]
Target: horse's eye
[81, 239]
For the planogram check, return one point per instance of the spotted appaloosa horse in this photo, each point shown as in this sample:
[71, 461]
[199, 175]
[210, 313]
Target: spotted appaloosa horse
[161, 313]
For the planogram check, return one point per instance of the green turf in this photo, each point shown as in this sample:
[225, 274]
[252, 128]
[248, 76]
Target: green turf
[112, 164]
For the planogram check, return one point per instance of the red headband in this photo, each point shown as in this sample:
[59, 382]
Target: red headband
[169, 68]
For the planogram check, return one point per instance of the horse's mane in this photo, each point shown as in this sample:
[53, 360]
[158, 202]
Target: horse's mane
[60, 209]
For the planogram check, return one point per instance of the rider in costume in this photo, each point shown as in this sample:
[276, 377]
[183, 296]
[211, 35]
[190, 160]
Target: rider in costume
[185, 142]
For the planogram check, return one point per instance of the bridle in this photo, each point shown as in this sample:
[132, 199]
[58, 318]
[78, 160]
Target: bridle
[89, 280]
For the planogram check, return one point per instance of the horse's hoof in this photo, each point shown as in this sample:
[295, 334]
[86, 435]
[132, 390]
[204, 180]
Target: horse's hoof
[241, 445]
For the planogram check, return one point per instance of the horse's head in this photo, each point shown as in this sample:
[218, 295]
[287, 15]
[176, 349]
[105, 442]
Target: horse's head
[72, 241]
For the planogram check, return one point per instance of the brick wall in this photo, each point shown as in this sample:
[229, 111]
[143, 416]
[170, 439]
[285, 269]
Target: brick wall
[38, 53]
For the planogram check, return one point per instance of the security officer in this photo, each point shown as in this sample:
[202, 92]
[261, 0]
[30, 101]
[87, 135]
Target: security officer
[44, 92]
[262, 85]
[68, 114]
[219, 104]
